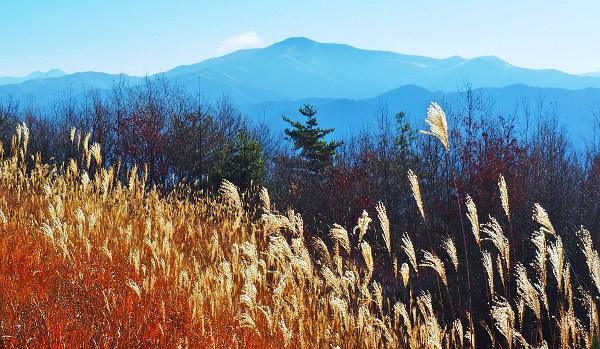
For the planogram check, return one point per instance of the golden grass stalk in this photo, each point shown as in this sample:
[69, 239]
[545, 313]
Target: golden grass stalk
[128, 252]
[438, 126]
[504, 195]
[494, 233]
[409, 249]
[362, 225]
[473, 218]
[96, 152]
[230, 194]
[539, 240]
[526, 291]
[431, 260]
[489, 270]
[86, 142]
[557, 261]
[541, 217]
[365, 250]
[458, 333]
[503, 317]
[385, 225]
[416, 191]
[451, 250]
[72, 134]
[501, 270]
[591, 256]
[339, 234]
[405, 272]
[265, 200]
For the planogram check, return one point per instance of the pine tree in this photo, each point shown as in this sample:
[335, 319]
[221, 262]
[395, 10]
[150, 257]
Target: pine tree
[241, 162]
[316, 153]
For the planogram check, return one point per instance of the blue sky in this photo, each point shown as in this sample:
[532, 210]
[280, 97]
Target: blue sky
[143, 37]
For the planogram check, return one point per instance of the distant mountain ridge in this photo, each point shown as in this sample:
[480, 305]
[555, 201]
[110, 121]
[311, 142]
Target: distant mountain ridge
[302, 68]
[346, 84]
[574, 107]
[298, 68]
[52, 73]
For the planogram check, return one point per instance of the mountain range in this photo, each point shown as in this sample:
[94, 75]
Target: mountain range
[347, 84]
[53, 73]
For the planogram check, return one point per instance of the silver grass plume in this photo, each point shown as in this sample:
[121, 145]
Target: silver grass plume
[338, 234]
[405, 272]
[321, 251]
[365, 250]
[473, 218]
[265, 200]
[378, 294]
[504, 195]
[458, 332]
[526, 291]
[401, 312]
[230, 194]
[504, 319]
[494, 233]
[362, 225]
[416, 191]
[541, 216]
[409, 249]
[385, 225]
[591, 256]
[96, 152]
[557, 260]
[451, 250]
[489, 270]
[501, 270]
[86, 142]
[438, 126]
[72, 135]
[25, 137]
[539, 240]
[434, 262]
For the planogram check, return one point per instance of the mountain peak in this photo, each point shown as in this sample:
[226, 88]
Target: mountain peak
[295, 42]
[52, 73]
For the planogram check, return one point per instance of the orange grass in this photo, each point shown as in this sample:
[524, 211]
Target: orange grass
[87, 260]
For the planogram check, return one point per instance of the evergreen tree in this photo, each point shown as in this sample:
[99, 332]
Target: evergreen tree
[316, 153]
[405, 136]
[241, 162]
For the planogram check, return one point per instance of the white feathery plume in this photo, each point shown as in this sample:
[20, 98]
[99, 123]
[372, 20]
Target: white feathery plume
[541, 216]
[489, 270]
[438, 126]
[416, 191]
[451, 250]
[385, 225]
[405, 272]
[473, 218]
[504, 319]
[504, 195]
[434, 262]
[494, 232]
[409, 249]
[362, 225]
[338, 234]
[557, 260]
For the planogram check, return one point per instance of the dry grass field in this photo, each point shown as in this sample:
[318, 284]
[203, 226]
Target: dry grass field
[87, 260]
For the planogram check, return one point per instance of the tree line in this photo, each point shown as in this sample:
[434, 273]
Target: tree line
[175, 137]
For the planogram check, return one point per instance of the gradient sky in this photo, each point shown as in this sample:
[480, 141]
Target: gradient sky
[145, 36]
